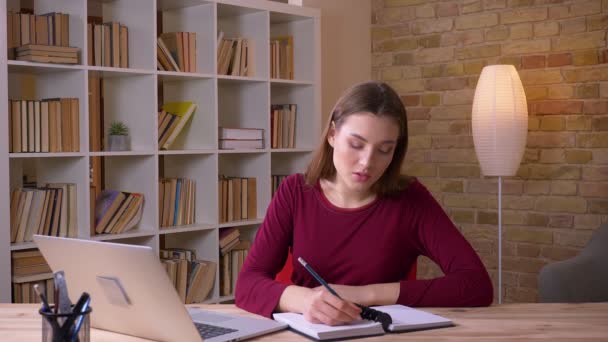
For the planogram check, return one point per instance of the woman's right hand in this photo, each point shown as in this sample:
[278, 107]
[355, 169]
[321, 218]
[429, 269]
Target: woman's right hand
[318, 306]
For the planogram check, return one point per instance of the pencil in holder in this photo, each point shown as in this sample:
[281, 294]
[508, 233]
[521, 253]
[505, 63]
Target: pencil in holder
[66, 327]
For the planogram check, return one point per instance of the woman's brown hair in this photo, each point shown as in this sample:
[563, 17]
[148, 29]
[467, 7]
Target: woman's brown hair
[368, 97]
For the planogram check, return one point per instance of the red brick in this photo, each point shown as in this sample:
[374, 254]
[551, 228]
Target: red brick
[605, 56]
[596, 107]
[557, 107]
[410, 100]
[446, 83]
[559, 59]
[533, 62]
[418, 113]
[447, 10]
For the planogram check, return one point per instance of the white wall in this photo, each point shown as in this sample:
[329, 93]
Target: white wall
[345, 46]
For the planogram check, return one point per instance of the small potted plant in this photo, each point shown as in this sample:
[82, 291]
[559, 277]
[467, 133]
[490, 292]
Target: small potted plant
[118, 137]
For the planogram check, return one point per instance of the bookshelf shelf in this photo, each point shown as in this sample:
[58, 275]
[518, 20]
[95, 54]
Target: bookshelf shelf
[46, 155]
[227, 79]
[106, 72]
[192, 152]
[134, 95]
[181, 76]
[22, 245]
[122, 153]
[291, 150]
[186, 228]
[279, 82]
[129, 235]
[240, 223]
[240, 151]
[39, 68]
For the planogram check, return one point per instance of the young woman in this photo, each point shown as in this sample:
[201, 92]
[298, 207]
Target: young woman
[359, 224]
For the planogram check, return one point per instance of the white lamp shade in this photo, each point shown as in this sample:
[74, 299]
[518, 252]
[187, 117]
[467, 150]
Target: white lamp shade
[500, 120]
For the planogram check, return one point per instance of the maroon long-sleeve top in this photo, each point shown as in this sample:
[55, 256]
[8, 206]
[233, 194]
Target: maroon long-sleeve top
[377, 243]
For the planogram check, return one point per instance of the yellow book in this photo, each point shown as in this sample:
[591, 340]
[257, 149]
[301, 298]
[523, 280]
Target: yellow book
[183, 110]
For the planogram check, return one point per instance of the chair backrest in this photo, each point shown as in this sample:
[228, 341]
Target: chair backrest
[583, 278]
[284, 275]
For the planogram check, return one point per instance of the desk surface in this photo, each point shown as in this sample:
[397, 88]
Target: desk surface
[566, 322]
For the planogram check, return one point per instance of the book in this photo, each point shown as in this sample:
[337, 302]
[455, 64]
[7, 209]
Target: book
[184, 110]
[404, 319]
[241, 133]
[232, 144]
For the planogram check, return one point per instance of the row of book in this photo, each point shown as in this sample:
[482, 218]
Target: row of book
[176, 51]
[240, 138]
[48, 210]
[235, 56]
[27, 263]
[193, 278]
[51, 125]
[108, 45]
[237, 199]
[281, 58]
[177, 201]
[46, 29]
[275, 181]
[172, 119]
[233, 251]
[117, 211]
[23, 288]
[283, 125]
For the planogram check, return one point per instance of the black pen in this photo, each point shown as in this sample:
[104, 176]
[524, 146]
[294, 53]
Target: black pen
[366, 312]
[319, 279]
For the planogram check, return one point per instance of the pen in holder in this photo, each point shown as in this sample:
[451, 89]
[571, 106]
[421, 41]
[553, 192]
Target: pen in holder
[74, 326]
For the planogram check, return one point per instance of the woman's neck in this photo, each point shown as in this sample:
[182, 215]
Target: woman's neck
[343, 198]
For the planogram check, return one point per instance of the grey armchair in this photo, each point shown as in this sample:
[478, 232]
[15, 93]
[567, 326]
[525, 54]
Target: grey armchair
[583, 278]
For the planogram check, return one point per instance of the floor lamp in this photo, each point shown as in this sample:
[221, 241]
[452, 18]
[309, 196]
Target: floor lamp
[500, 126]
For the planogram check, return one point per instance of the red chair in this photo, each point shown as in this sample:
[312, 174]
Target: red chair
[284, 276]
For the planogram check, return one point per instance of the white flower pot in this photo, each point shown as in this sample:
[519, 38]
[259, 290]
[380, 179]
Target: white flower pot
[119, 143]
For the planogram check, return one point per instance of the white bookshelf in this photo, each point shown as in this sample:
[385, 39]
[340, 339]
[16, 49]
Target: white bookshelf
[130, 95]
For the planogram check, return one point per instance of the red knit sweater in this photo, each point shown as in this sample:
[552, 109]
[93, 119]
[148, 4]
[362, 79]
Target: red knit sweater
[373, 244]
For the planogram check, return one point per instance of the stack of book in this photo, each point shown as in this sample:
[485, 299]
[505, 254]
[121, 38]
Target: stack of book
[237, 199]
[281, 58]
[235, 56]
[172, 119]
[233, 252]
[177, 199]
[241, 138]
[276, 181]
[49, 210]
[47, 54]
[283, 125]
[176, 51]
[51, 125]
[108, 45]
[117, 211]
[50, 29]
[30, 268]
[193, 279]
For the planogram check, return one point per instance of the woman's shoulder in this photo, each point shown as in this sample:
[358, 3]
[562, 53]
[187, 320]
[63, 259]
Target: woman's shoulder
[411, 189]
[295, 182]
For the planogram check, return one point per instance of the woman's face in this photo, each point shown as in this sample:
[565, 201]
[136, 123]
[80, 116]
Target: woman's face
[363, 148]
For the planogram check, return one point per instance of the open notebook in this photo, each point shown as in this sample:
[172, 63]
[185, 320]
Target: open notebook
[404, 319]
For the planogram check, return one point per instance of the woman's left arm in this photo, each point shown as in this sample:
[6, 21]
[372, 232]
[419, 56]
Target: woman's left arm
[465, 283]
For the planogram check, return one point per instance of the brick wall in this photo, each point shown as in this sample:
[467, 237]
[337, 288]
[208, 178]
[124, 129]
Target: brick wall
[433, 51]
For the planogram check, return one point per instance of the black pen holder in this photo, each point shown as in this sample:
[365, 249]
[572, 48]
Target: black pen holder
[66, 327]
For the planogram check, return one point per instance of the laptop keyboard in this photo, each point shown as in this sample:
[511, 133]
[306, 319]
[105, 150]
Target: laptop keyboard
[209, 331]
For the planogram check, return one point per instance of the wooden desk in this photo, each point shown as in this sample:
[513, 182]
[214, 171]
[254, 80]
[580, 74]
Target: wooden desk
[517, 322]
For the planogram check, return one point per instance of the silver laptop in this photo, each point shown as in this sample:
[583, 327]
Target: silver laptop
[131, 294]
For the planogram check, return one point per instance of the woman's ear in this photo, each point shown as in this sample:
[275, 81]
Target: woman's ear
[331, 135]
